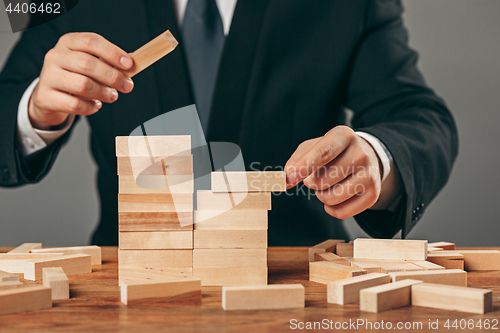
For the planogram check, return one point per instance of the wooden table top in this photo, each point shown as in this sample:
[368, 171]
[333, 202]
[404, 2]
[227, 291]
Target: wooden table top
[95, 306]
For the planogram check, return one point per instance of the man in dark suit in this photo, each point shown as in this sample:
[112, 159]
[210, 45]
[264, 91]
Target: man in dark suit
[285, 73]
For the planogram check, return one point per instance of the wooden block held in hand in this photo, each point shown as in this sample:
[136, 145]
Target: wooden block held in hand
[344, 250]
[55, 279]
[155, 202]
[72, 264]
[155, 221]
[153, 146]
[230, 220]
[6, 277]
[26, 248]
[208, 200]
[229, 257]
[324, 271]
[92, 250]
[248, 181]
[10, 285]
[164, 240]
[156, 184]
[275, 296]
[141, 165]
[161, 290]
[327, 246]
[398, 249]
[328, 256]
[452, 277]
[151, 52]
[231, 276]
[25, 299]
[443, 245]
[230, 239]
[346, 291]
[387, 296]
[472, 300]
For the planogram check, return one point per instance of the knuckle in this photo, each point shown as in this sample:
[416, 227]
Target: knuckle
[83, 85]
[86, 63]
[64, 38]
[324, 152]
[115, 78]
[89, 40]
[75, 105]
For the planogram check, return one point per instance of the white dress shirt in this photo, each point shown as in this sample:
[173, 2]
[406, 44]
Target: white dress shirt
[32, 140]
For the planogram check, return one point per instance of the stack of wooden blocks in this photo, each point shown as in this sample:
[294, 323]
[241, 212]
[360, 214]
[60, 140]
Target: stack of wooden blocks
[155, 207]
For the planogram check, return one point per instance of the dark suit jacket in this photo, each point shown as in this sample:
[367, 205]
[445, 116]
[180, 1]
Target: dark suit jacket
[288, 70]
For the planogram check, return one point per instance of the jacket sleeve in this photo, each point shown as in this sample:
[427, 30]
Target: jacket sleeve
[391, 101]
[22, 67]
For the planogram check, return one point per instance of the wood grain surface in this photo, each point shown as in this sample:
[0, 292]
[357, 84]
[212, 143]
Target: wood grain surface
[95, 305]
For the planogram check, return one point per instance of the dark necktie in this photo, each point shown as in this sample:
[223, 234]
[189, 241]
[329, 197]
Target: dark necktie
[203, 40]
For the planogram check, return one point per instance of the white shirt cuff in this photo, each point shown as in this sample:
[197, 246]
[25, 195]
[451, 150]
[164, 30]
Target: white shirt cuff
[383, 153]
[31, 139]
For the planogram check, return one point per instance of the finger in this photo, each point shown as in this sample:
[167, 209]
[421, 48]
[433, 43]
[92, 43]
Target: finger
[98, 46]
[296, 156]
[351, 207]
[346, 189]
[83, 86]
[90, 66]
[321, 153]
[57, 101]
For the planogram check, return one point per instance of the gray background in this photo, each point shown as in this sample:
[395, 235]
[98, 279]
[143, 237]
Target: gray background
[459, 44]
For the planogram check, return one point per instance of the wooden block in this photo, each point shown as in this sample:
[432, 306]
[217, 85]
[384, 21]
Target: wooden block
[478, 260]
[151, 52]
[427, 265]
[92, 250]
[346, 291]
[344, 250]
[14, 262]
[155, 202]
[208, 200]
[275, 296]
[163, 240]
[472, 300]
[155, 259]
[399, 249]
[443, 245]
[10, 285]
[365, 264]
[249, 181]
[230, 220]
[7, 277]
[126, 274]
[154, 221]
[161, 290]
[72, 264]
[156, 184]
[328, 256]
[229, 257]
[26, 248]
[433, 249]
[55, 279]
[452, 277]
[230, 239]
[157, 146]
[25, 299]
[231, 276]
[171, 165]
[384, 266]
[327, 246]
[387, 296]
[324, 271]
[447, 260]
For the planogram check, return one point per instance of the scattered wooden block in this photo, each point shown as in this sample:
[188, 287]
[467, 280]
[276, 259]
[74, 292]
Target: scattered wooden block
[6, 277]
[72, 264]
[230, 220]
[478, 260]
[161, 290]
[328, 256]
[154, 221]
[155, 259]
[162, 240]
[158, 146]
[92, 250]
[367, 248]
[463, 299]
[346, 291]
[427, 265]
[208, 200]
[14, 262]
[171, 165]
[249, 181]
[387, 296]
[324, 272]
[10, 285]
[344, 250]
[279, 296]
[452, 277]
[55, 279]
[231, 276]
[327, 246]
[25, 299]
[26, 248]
[447, 260]
[151, 52]
[365, 264]
[156, 184]
[127, 274]
[229, 257]
[230, 239]
[384, 266]
[433, 249]
[155, 202]
[443, 245]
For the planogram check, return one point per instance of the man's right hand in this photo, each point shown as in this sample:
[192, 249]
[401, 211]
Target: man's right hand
[78, 74]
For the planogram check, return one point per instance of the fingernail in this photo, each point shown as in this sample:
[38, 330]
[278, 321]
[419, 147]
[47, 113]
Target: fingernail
[128, 85]
[98, 105]
[114, 95]
[126, 62]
